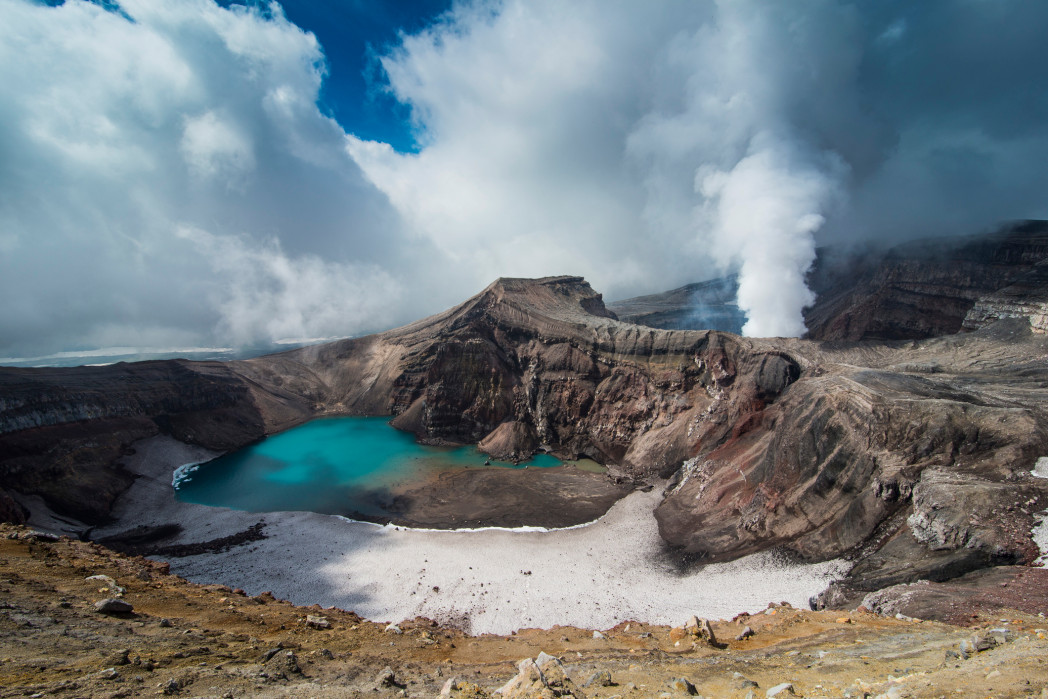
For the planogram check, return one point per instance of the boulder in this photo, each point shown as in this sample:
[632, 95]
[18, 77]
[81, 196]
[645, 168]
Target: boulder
[106, 584]
[317, 622]
[281, 666]
[700, 629]
[681, 685]
[740, 681]
[785, 689]
[386, 678]
[112, 605]
[455, 688]
[601, 678]
[540, 677]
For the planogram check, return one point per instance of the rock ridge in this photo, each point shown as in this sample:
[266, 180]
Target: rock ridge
[880, 451]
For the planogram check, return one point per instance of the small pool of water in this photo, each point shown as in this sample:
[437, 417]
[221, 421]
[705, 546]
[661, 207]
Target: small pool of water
[343, 465]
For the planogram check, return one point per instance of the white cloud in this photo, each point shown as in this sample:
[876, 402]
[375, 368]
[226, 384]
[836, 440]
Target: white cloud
[215, 149]
[570, 137]
[570, 133]
[119, 132]
[261, 292]
[643, 145]
[524, 112]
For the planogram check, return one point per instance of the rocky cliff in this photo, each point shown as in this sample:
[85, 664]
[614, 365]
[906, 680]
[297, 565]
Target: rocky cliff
[921, 289]
[917, 290]
[915, 458]
[62, 431]
[524, 364]
[912, 456]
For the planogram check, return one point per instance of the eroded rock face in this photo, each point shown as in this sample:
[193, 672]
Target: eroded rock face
[62, 431]
[525, 363]
[531, 363]
[923, 289]
[888, 450]
[1026, 298]
[10, 510]
[709, 305]
[843, 450]
[914, 459]
[957, 601]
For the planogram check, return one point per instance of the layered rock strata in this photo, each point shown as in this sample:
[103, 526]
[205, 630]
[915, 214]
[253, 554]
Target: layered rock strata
[914, 457]
[708, 305]
[922, 289]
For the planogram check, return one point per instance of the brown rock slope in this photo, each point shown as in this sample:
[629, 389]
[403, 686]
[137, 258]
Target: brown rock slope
[920, 289]
[541, 362]
[708, 305]
[185, 640]
[914, 457]
[524, 363]
[62, 431]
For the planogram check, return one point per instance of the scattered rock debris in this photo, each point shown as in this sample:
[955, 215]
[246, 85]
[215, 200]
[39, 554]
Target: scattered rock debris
[187, 640]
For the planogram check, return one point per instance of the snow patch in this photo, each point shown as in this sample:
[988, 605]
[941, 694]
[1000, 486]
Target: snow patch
[492, 581]
[1039, 533]
[390, 526]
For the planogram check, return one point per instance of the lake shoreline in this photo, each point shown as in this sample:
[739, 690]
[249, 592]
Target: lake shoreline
[365, 469]
[549, 498]
[488, 581]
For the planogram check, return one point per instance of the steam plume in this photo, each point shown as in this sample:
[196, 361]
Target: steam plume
[766, 211]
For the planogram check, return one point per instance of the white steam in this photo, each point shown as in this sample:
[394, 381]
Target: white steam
[727, 149]
[765, 214]
[696, 160]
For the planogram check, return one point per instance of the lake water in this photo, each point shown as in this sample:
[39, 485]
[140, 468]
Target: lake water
[343, 465]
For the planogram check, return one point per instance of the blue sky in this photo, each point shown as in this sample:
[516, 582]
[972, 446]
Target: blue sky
[180, 174]
[354, 34]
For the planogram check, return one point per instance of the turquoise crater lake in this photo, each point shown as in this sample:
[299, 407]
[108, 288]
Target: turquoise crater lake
[345, 466]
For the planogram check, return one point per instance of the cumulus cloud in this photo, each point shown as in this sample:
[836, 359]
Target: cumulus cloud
[647, 146]
[166, 173]
[517, 175]
[122, 130]
[214, 148]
